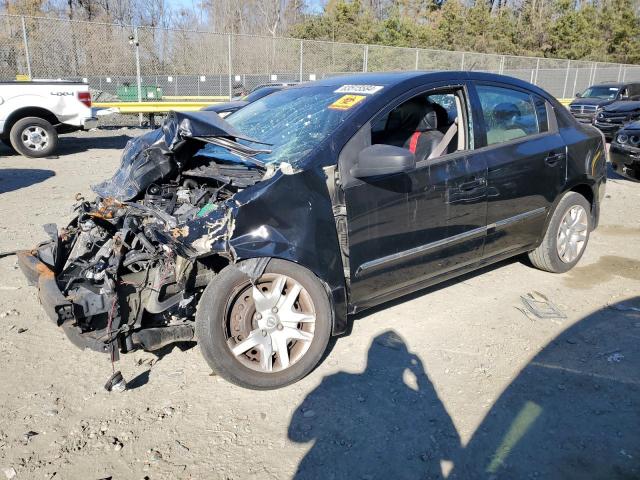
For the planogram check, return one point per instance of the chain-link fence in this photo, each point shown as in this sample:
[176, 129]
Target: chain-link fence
[145, 63]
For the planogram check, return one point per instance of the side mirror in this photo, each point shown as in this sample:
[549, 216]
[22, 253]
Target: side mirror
[578, 94]
[379, 160]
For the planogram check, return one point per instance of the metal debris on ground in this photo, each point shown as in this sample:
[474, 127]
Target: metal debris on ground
[538, 306]
[116, 383]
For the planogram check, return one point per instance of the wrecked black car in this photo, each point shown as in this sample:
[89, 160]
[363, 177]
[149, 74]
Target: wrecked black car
[613, 117]
[625, 151]
[259, 235]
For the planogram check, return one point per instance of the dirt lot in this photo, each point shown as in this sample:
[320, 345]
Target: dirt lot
[453, 382]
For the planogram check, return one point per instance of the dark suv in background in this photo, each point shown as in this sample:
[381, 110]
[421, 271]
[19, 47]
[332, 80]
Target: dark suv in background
[586, 104]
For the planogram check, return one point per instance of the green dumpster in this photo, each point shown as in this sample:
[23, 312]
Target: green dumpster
[129, 93]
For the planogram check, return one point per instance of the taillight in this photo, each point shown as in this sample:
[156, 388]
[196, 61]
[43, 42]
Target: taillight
[85, 97]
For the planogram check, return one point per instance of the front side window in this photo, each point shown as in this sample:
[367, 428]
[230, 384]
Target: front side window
[421, 123]
[508, 114]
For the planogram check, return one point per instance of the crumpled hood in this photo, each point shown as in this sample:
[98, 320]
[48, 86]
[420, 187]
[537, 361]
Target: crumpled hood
[151, 157]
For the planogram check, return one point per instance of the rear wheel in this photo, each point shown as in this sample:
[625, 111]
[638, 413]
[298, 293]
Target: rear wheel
[268, 334]
[34, 137]
[566, 237]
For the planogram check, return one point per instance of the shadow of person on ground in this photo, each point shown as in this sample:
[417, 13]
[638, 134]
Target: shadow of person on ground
[16, 178]
[572, 412]
[386, 422]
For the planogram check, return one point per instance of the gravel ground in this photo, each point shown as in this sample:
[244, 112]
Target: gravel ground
[453, 382]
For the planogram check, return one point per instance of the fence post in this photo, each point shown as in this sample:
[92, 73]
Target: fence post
[501, 71]
[301, 47]
[136, 44]
[462, 61]
[230, 66]
[619, 72]
[417, 58]
[624, 73]
[566, 79]
[535, 80]
[595, 67]
[26, 47]
[365, 59]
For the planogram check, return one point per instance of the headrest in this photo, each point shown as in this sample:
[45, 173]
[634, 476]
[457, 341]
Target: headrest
[429, 120]
[505, 114]
[407, 116]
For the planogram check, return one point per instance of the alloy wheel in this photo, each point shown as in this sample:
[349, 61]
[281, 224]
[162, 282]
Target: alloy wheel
[572, 234]
[271, 324]
[35, 138]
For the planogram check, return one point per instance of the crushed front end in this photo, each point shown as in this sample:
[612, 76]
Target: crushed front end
[128, 270]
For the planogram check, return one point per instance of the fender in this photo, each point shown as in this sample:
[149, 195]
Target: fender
[300, 228]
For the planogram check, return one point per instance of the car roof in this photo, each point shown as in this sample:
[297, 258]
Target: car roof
[393, 79]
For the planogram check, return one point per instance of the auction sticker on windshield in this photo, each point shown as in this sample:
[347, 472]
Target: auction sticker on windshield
[345, 102]
[359, 89]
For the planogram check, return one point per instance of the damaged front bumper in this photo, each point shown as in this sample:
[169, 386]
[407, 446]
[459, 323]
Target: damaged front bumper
[56, 306]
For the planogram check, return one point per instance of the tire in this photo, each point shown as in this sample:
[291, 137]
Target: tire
[550, 256]
[227, 317]
[7, 142]
[43, 142]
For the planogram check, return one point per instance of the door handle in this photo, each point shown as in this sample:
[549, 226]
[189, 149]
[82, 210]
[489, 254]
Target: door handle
[472, 185]
[553, 159]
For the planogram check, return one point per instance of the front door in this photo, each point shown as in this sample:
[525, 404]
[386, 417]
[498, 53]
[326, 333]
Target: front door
[405, 229]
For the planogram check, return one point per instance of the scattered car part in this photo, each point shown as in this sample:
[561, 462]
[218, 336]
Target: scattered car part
[116, 383]
[540, 306]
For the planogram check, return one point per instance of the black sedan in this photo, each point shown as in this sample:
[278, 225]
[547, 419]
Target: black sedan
[611, 118]
[625, 151]
[227, 108]
[260, 235]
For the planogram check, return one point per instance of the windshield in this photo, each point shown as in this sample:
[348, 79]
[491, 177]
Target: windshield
[293, 121]
[600, 92]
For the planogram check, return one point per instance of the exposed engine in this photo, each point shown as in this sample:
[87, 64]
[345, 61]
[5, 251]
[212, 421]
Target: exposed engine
[132, 264]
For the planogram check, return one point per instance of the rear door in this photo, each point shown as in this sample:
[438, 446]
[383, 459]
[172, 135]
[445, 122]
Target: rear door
[526, 164]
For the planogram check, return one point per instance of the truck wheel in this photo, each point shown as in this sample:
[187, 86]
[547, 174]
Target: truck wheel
[566, 237]
[265, 335]
[34, 137]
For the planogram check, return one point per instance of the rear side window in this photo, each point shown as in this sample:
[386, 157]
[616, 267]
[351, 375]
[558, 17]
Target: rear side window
[508, 114]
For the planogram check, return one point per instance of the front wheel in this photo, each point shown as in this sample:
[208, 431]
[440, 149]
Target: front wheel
[34, 137]
[265, 335]
[566, 237]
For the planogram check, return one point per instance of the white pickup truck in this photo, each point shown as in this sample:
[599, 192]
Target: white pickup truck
[32, 114]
